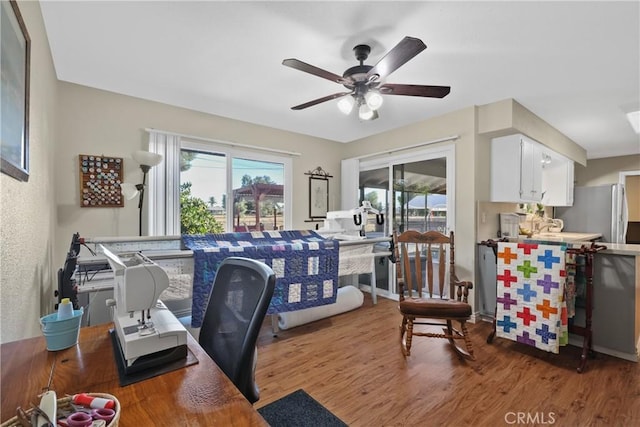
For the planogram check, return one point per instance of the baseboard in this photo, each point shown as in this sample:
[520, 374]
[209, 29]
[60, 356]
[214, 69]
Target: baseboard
[577, 342]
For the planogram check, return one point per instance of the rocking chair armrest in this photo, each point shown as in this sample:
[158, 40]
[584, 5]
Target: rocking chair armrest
[400, 283]
[462, 283]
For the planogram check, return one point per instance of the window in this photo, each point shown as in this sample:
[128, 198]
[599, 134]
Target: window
[221, 189]
[242, 191]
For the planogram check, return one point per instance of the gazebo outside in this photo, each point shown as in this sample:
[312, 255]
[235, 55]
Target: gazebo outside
[257, 194]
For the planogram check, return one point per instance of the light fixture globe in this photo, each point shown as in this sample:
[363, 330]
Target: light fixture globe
[364, 112]
[345, 104]
[374, 100]
[129, 191]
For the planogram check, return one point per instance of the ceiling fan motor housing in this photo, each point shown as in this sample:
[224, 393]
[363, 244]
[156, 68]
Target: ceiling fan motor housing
[358, 74]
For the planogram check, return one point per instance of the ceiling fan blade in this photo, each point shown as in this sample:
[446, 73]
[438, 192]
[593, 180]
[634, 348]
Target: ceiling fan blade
[311, 69]
[400, 54]
[415, 90]
[320, 100]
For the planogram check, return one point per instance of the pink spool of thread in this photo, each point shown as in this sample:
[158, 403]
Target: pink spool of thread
[79, 419]
[93, 402]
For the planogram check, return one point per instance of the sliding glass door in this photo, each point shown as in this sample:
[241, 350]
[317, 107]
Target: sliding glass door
[420, 195]
[418, 188]
[415, 191]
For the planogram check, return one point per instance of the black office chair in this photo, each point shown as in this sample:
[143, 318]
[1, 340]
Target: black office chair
[240, 296]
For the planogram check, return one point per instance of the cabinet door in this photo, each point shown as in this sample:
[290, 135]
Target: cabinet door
[516, 169]
[530, 171]
[570, 182]
[557, 182]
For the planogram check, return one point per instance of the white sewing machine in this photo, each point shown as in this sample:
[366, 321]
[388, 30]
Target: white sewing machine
[349, 224]
[148, 334]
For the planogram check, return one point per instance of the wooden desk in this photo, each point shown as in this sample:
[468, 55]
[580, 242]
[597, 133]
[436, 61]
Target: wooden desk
[198, 395]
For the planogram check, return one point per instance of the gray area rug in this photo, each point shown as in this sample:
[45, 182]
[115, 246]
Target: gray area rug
[298, 409]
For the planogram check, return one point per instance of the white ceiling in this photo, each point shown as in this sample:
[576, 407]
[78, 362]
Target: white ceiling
[574, 64]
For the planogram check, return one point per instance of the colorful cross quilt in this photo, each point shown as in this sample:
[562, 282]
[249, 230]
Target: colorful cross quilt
[530, 294]
[305, 264]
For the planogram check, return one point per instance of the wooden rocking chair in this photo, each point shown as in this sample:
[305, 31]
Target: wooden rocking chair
[414, 253]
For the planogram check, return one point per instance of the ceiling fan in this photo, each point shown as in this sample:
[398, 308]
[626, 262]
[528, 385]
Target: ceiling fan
[365, 81]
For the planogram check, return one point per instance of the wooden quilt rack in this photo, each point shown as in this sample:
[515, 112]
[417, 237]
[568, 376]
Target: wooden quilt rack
[584, 331]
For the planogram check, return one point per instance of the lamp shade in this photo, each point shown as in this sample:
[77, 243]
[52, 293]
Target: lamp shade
[146, 158]
[129, 191]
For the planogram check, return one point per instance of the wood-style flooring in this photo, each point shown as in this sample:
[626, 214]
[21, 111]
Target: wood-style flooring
[353, 365]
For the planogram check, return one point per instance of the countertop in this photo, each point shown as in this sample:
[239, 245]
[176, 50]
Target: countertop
[579, 239]
[566, 237]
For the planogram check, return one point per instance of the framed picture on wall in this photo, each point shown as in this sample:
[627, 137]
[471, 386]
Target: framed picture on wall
[318, 197]
[14, 93]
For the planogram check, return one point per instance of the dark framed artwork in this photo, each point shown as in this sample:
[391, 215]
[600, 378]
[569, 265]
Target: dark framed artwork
[15, 60]
[318, 197]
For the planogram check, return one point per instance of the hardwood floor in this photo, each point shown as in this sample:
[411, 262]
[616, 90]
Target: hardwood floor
[353, 365]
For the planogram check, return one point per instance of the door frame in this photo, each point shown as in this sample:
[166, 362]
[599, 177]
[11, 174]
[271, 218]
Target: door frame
[448, 152]
[419, 154]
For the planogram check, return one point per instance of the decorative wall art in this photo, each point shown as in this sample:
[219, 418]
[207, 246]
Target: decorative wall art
[318, 193]
[15, 51]
[100, 179]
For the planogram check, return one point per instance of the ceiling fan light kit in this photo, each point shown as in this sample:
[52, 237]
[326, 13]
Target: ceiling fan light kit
[365, 81]
[364, 112]
[374, 100]
[345, 104]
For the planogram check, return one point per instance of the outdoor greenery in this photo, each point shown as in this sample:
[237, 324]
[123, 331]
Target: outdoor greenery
[372, 197]
[195, 216]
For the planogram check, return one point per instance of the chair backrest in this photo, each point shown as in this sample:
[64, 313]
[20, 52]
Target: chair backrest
[419, 257]
[240, 296]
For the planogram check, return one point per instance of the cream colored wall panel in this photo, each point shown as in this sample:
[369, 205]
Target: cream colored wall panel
[536, 128]
[27, 280]
[508, 117]
[633, 197]
[496, 118]
[605, 171]
[461, 123]
[99, 122]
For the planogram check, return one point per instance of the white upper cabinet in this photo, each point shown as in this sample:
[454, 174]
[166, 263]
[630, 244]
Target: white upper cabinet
[516, 169]
[557, 180]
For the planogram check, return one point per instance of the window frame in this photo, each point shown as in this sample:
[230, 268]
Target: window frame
[230, 152]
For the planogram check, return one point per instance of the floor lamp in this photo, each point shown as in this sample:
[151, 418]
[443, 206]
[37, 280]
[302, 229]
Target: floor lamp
[146, 160]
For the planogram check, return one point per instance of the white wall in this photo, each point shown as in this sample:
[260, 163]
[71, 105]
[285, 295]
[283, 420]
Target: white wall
[27, 276]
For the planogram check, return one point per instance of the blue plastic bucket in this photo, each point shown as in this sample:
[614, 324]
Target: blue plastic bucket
[61, 334]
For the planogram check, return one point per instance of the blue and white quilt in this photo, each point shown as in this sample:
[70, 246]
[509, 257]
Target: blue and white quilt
[305, 264]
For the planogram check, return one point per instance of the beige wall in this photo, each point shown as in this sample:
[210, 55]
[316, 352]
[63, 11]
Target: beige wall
[509, 116]
[605, 171]
[461, 123]
[27, 276]
[39, 217]
[93, 121]
[633, 197]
